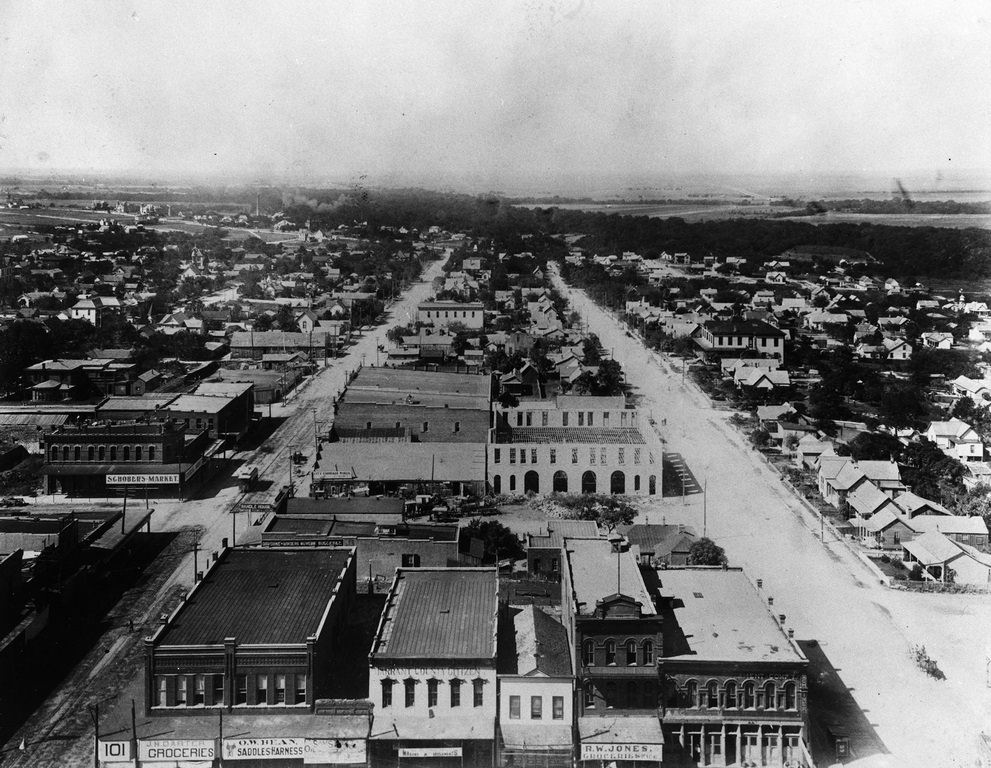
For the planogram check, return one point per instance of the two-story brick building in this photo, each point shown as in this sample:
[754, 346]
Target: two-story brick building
[735, 338]
[470, 314]
[432, 669]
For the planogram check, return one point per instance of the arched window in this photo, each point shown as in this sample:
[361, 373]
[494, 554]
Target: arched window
[113, 453]
[497, 484]
[791, 700]
[387, 692]
[409, 685]
[560, 482]
[712, 695]
[691, 694]
[730, 694]
[127, 453]
[101, 452]
[636, 482]
[151, 453]
[631, 652]
[648, 652]
[588, 653]
[652, 485]
[749, 695]
[54, 453]
[588, 695]
[90, 453]
[77, 453]
[512, 482]
[137, 453]
[610, 651]
[65, 453]
[769, 690]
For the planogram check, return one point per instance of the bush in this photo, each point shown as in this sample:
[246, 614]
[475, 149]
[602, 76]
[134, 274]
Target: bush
[926, 663]
[916, 573]
[885, 559]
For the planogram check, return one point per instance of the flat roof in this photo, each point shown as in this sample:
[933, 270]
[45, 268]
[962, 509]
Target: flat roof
[259, 596]
[592, 568]
[201, 403]
[438, 382]
[443, 613]
[153, 401]
[405, 462]
[346, 508]
[557, 530]
[721, 617]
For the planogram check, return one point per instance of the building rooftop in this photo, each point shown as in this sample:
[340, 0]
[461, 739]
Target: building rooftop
[405, 462]
[720, 617]
[580, 435]
[541, 643]
[443, 613]
[407, 381]
[259, 596]
[557, 530]
[370, 507]
[592, 567]
[200, 403]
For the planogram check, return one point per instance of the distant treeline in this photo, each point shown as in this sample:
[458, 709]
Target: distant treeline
[891, 206]
[901, 251]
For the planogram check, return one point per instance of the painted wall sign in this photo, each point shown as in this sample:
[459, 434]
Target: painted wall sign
[163, 479]
[622, 751]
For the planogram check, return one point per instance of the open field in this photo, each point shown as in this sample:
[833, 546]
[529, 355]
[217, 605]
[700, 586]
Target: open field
[729, 211]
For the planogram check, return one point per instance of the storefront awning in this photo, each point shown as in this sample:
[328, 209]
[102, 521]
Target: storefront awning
[618, 738]
[519, 736]
[433, 728]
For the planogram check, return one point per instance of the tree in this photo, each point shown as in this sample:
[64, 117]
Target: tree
[284, 319]
[874, 446]
[508, 400]
[591, 350]
[760, 438]
[705, 551]
[606, 510]
[263, 323]
[609, 379]
[498, 541]
[976, 501]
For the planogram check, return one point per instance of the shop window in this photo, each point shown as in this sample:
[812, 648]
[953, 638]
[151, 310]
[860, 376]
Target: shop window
[749, 695]
[456, 692]
[514, 707]
[588, 653]
[730, 694]
[712, 695]
[791, 700]
[300, 687]
[536, 707]
[478, 696]
[691, 694]
[588, 695]
[631, 652]
[610, 651]
[557, 707]
[409, 686]
[387, 692]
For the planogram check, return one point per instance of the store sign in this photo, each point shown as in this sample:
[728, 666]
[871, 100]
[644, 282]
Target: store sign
[430, 751]
[114, 752]
[334, 751]
[622, 752]
[164, 479]
[264, 749]
[464, 673]
[176, 750]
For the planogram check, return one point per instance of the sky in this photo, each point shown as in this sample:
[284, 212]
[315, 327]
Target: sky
[497, 93]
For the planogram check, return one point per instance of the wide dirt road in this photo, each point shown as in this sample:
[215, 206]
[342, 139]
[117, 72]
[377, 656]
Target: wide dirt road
[865, 629]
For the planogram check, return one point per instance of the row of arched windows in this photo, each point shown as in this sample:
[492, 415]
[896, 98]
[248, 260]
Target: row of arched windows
[103, 453]
[732, 695]
[633, 653]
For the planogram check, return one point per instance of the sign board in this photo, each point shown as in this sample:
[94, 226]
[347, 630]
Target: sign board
[163, 479]
[176, 750]
[430, 751]
[335, 751]
[114, 752]
[622, 752]
[264, 749]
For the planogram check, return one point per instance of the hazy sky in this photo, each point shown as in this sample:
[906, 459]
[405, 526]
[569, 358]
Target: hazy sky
[496, 91]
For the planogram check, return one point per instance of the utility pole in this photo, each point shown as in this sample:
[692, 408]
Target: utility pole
[316, 436]
[134, 733]
[196, 560]
[705, 489]
[94, 713]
